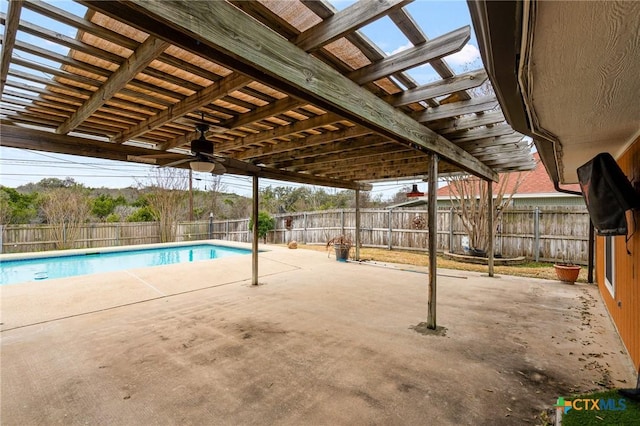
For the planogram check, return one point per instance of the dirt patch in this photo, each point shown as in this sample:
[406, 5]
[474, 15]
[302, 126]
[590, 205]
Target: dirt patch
[530, 269]
[423, 328]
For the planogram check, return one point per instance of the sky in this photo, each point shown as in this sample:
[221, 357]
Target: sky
[19, 167]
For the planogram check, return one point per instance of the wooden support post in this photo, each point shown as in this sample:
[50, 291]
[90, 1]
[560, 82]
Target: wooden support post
[590, 261]
[490, 225]
[357, 224]
[433, 235]
[254, 245]
[190, 195]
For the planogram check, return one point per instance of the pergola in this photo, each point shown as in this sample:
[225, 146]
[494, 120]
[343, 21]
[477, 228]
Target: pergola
[291, 90]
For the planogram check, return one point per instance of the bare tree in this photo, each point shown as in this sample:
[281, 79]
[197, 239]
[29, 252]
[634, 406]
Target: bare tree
[66, 209]
[469, 195]
[217, 187]
[167, 198]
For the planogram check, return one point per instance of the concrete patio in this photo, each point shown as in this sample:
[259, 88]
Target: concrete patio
[318, 342]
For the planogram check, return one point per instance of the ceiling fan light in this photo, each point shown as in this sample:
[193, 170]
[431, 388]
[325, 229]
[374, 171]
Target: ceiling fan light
[202, 166]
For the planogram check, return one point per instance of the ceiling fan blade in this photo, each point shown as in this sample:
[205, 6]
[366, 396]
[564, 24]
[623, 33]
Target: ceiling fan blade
[175, 163]
[163, 155]
[233, 163]
[219, 169]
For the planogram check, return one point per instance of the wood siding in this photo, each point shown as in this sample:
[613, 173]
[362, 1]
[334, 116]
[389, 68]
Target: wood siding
[625, 306]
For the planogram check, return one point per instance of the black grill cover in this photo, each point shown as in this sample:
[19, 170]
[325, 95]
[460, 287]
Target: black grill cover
[608, 194]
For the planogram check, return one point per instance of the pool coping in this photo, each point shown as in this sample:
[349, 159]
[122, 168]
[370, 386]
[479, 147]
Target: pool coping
[97, 250]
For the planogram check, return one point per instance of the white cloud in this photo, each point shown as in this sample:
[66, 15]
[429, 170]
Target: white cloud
[401, 48]
[467, 55]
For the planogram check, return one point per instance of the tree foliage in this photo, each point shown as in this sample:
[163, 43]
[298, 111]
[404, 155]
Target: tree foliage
[104, 205]
[16, 207]
[266, 223]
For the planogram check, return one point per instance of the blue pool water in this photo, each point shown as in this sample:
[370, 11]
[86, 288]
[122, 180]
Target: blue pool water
[36, 269]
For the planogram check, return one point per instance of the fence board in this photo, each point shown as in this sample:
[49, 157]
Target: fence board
[561, 234]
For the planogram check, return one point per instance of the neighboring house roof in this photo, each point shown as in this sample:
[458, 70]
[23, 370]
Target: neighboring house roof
[535, 183]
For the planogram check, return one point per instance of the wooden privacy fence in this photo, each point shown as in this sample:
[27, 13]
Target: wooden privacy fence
[545, 235]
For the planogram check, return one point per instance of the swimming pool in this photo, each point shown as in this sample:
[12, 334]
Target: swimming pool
[42, 267]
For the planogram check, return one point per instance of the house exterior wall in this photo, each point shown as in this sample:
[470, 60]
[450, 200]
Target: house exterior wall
[549, 202]
[542, 202]
[624, 304]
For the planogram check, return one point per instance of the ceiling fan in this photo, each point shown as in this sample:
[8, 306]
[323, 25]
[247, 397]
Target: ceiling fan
[202, 158]
[205, 160]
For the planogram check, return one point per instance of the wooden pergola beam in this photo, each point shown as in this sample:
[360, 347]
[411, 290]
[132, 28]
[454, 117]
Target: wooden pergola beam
[38, 140]
[281, 131]
[328, 30]
[461, 124]
[416, 36]
[434, 49]
[344, 22]
[216, 90]
[218, 29]
[456, 109]
[469, 135]
[341, 151]
[310, 141]
[443, 87]
[136, 62]
[315, 151]
[9, 38]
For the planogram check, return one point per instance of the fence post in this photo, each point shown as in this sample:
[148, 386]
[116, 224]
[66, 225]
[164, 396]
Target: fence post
[536, 230]
[451, 230]
[342, 222]
[226, 230]
[390, 232]
[304, 228]
[1, 237]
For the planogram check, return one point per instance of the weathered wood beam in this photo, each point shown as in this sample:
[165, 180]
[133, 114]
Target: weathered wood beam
[482, 132]
[355, 163]
[344, 22]
[260, 113]
[335, 151]
[489, 142]
[89, 27]
[523, 164]
[309, 40]
[455, 109]
[387, 172]
[220, 30]
[216, 90]
[435, 49]
[9, 38]
[256, 154]
[464, 81]
[25, 138]
[312, 180]
[135, 63]
[464, 123]
[416, 36]
[38, 140]
[281, 131]
[385, 163]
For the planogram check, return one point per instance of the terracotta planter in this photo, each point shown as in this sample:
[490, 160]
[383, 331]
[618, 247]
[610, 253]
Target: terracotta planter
[566, 272]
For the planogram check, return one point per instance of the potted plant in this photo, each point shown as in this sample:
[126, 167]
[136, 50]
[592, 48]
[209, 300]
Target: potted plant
[342, 245]
[567, 272]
